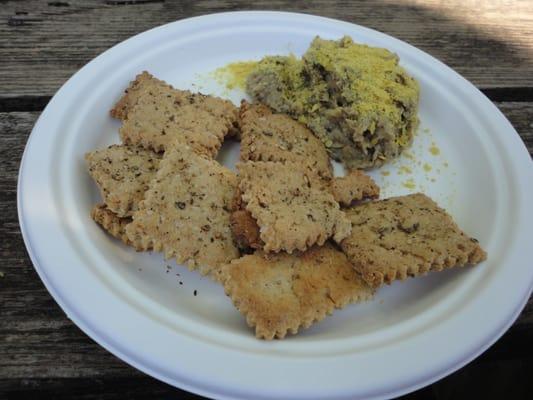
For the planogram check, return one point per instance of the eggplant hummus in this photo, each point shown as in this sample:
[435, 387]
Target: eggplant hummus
[355, 98]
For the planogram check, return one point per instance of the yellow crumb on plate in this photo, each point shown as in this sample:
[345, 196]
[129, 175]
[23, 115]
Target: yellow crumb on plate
[434, 149]
[233, 75]
[409, 184]
[404, 169]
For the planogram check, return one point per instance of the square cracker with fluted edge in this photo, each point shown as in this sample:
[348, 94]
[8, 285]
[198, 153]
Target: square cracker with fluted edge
[406, 236]
[146, 84]
[186, 211]
[290, 205]
[280, 293]
[157, 116]
[266, 136]
[122, 173]
[113, 224]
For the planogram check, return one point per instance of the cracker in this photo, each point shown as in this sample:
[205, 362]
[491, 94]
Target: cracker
[122, 174]
[277, 137]
[113, 224]
[159, 126]
[280, 293]
[406, 236]
[186, 211]
[290, 206]
[157, 116]
[136, 89]
[146, 85]
[355, 186]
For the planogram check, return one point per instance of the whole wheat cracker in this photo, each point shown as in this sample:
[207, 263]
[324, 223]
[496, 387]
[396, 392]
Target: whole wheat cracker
[266, 136]
[159, 126]
[136, 89]
[290, 205]
[145, 84]
[355, 186]
[122, 174]
[157, 116]
[406, 236]
[280, 293]
[113, 224]
[186, 211]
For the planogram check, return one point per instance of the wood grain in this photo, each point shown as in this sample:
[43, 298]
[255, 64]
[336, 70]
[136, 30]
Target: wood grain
[43, 43]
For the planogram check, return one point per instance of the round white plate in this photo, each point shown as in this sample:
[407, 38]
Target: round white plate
[412, 334]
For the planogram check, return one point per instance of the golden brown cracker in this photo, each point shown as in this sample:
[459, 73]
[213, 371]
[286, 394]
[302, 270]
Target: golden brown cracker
[277, 137]
[122, 174]
[280, 293]
[136, 89]
[186, 211]
[157, 116]
[290, 206]
[146, 85]
[406, 236]
[158, 126]
[355, 186]
[113, 224]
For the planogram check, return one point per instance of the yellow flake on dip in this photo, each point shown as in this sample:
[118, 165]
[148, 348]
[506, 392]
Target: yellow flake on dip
[427, 167]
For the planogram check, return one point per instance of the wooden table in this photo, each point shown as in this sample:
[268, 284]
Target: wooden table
[42, 353]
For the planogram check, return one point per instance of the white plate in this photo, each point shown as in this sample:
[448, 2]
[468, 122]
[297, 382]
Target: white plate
[414, 333]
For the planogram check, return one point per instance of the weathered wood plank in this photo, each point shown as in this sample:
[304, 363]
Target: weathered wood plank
[101, 388]
[521, 116]
[43, 43]
[505, 377]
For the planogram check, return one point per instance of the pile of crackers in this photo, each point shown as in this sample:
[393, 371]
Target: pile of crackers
[289, 242]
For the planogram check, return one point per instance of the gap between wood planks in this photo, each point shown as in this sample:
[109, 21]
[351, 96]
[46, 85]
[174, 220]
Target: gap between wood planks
[38, 103]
